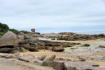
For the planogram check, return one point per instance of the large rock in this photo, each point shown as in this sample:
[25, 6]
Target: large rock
[8, 49]
[4, 55]
[8, 42]
[80, 65]
[48, 61]
[58, 65]
[27, 58]
[58, 49]
[42, 57]
[38, 62]
[8, 37]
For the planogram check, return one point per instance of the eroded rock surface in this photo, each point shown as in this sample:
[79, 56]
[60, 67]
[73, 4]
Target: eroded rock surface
[12, 64]
[31, 62]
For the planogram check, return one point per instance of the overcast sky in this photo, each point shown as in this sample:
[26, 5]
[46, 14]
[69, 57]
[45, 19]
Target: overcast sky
[54, 15]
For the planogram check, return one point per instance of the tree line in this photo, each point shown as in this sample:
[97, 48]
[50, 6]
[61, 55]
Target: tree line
[4, 28]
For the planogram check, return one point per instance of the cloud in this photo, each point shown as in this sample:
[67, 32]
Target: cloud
[55, 15]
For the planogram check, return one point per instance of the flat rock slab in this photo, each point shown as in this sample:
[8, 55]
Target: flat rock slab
[13, 64]
[82, 66]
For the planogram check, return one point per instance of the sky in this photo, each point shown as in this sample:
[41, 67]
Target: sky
[83, 16]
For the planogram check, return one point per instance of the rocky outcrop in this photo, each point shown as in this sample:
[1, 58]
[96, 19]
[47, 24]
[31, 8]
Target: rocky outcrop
[57, 64]
[8, 37]
[48, 61]
[8, 42]
[58, 49]
[54, 46]
[11, 42]
[73, 36]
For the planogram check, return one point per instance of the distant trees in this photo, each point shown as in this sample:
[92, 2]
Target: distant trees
[23, 31]
[4, 28]
[14, 30]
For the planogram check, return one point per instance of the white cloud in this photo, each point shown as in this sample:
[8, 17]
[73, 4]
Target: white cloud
[24, 14]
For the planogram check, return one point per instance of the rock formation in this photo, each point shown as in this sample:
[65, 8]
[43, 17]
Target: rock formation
[8, 38]
[72, 36]
[8, 42]
[57, 64]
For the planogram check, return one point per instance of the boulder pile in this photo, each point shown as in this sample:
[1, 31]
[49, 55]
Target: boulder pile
[73, 36]
[8, 42]
[8, 38]
[11, 42]
[54, 46]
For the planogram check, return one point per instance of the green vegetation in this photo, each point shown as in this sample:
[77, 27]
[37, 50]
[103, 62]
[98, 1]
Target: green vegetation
[13, 30]
[1, 33]
[23, 31]
[4, 28]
